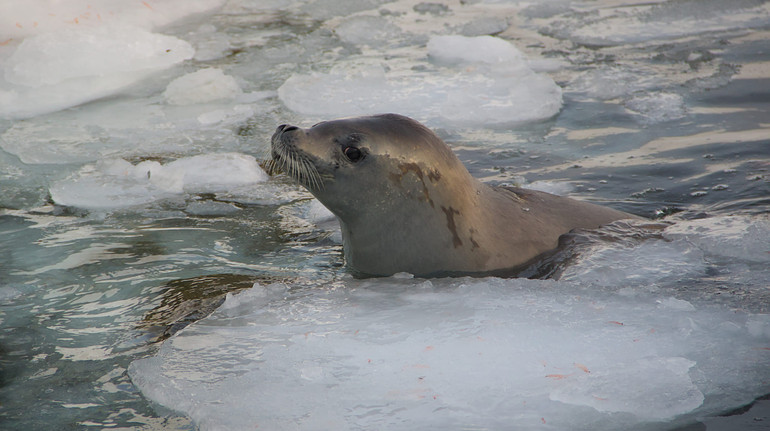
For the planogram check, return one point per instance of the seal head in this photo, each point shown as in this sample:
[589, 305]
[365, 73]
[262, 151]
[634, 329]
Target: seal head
[406, 203]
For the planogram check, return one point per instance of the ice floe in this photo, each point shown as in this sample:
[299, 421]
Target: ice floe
[491, 84]
[116, 183]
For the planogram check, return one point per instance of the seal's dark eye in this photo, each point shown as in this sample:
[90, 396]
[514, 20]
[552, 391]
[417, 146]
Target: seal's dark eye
[353, 154]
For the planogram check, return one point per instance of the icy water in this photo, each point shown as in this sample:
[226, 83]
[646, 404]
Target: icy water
[152, 276]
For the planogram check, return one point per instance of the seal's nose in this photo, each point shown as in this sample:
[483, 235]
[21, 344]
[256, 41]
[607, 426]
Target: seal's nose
[285, 128]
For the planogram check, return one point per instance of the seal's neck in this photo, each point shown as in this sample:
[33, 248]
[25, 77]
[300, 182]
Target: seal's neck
[430, 227]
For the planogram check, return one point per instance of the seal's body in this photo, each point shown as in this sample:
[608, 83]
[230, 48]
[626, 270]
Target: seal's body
[406, 203]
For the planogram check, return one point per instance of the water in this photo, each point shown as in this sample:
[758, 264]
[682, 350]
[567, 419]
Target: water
[132, 207]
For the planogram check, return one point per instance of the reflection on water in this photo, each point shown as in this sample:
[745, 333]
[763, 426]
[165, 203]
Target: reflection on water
[664, 114]
[188, 300]
[82, 297]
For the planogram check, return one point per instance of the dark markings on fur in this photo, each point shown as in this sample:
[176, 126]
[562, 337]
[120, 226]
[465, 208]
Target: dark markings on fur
[450, 222]
[474, 244]
[415, 168]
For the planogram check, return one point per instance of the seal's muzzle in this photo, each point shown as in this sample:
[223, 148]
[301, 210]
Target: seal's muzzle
[292, 160]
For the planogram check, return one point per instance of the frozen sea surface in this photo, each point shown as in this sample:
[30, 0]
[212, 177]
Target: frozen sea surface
[153, 276]
[623, 352]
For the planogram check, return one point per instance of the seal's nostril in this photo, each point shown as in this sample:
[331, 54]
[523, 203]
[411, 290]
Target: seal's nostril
[285, 128]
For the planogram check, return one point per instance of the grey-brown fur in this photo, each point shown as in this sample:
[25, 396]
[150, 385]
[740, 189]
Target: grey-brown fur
[406, 203]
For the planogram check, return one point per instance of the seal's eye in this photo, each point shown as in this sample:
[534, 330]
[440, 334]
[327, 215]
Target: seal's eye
[353, 154]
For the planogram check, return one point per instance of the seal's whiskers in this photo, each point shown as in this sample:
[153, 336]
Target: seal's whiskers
[296, 166]
[270, 166]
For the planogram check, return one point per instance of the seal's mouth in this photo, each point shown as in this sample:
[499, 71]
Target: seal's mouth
[286, 157]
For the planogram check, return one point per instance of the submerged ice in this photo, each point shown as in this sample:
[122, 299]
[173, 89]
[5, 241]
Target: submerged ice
[403, 353]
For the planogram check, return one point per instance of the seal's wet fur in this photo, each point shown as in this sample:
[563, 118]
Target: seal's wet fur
[406, 203]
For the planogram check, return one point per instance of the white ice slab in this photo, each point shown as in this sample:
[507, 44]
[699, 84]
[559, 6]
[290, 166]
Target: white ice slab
[28, 18]
[52, 71]
[116, 183]
[401, 353]
[202, 86]
[498, 89]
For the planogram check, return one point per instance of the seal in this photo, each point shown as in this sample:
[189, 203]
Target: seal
[405, 202]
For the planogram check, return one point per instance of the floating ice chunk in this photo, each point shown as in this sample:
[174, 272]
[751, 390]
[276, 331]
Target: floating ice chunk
[205, 85]
[665, 20]
[431, 8]
[28, 18]
[269, 193]
[118, 183]
[468, 93]
[368, 30]
[257, 6]
[649, 378]
[210, 173]
[52, 58]
[613, 82]
[310, 216]
[480, 49]
[317, 213]
[209, 43]
[485, 26]
[657, 107]
[212, 117]
[52, 71]
[689, 248]
[759, 325]
[676, 304]
[502, 100]
[229, 115]
[543, 9]
[560, 188]
[741, 237]
[325, 9]
[130, 127]
[404, 354]
[617, 264]
[63, 142]
[97, 190]
[546, 64]
[252, 299]
[339, 92]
